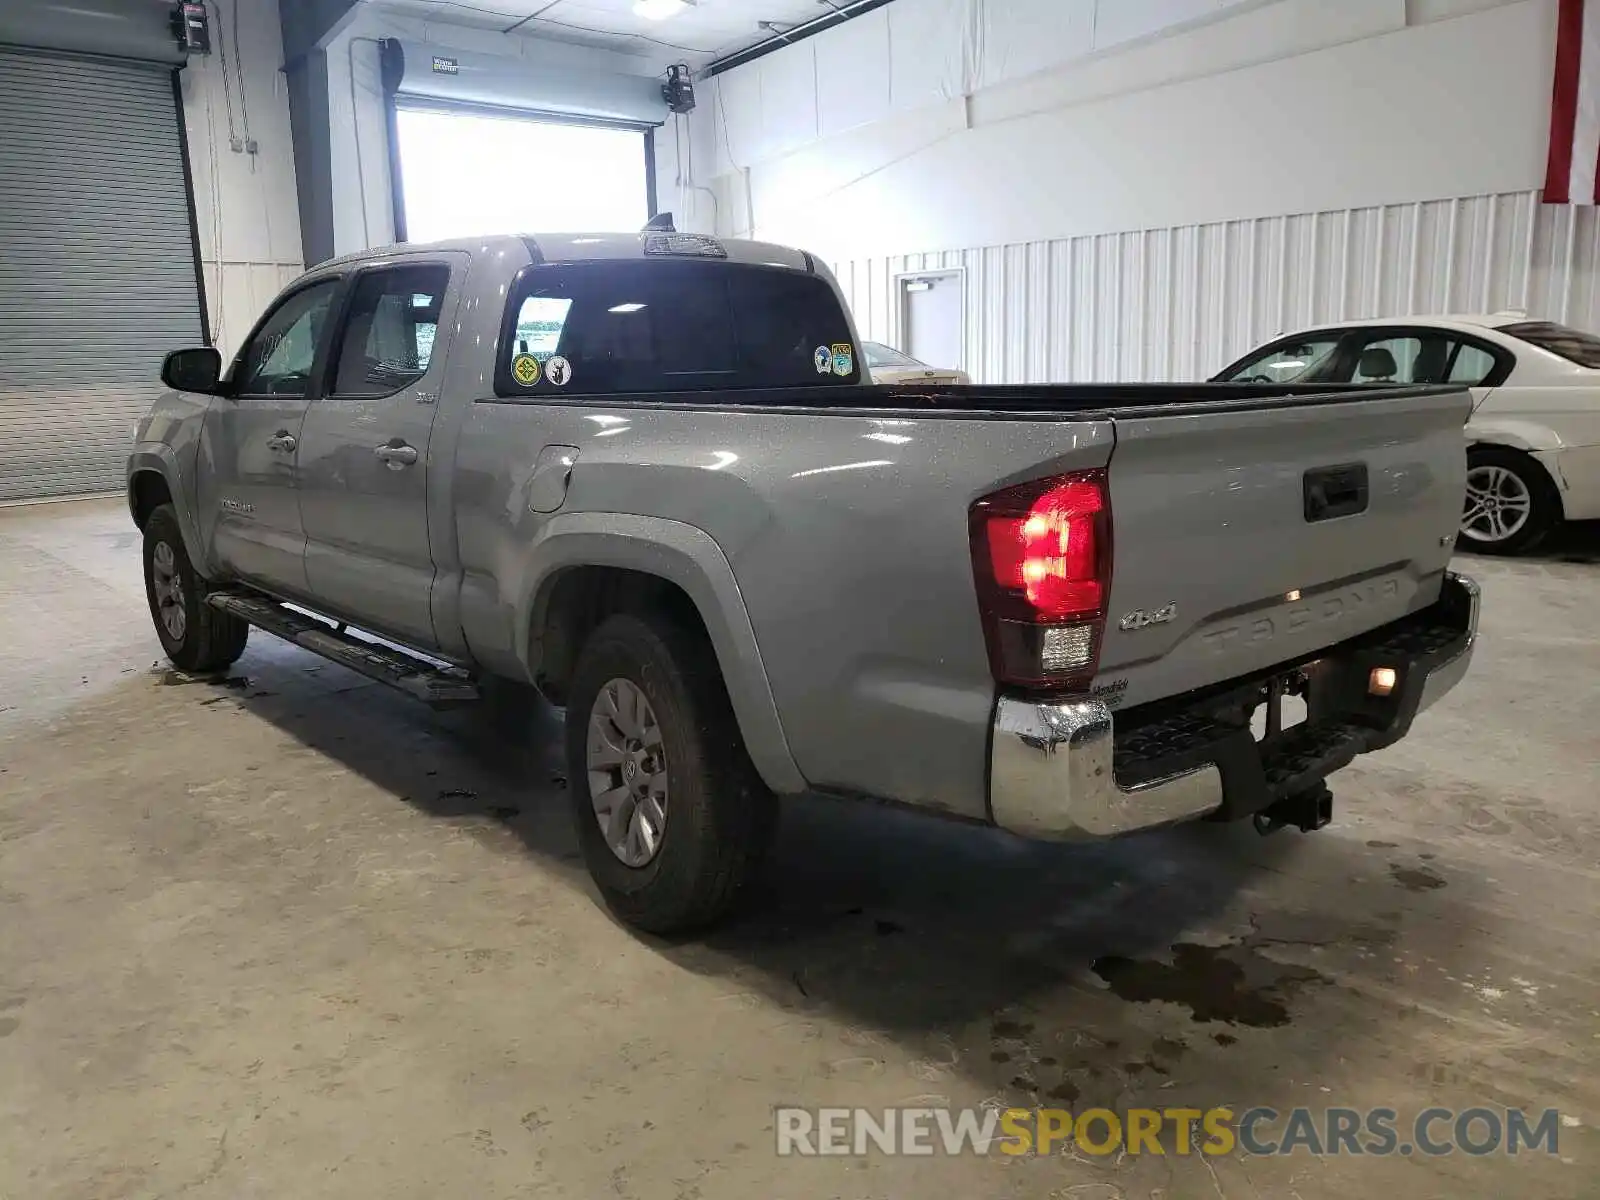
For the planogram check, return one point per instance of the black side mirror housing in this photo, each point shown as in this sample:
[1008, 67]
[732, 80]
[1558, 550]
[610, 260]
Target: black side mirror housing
[194, 370]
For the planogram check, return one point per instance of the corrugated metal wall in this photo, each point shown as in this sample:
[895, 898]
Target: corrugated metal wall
[1180, 303]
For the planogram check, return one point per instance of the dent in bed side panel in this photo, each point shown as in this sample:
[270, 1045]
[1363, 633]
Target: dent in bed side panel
[847, 540]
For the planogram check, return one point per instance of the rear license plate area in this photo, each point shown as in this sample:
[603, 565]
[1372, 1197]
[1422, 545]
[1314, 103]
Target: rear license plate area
[1291, 708]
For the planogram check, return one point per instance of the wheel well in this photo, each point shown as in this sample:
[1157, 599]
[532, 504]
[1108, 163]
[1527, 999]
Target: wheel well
[1552, 489]
[580, 598]
[148, 491]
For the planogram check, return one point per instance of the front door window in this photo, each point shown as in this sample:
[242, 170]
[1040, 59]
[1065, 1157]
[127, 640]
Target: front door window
[279, 358]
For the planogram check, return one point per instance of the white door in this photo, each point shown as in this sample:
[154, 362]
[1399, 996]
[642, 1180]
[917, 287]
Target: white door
[932, 310]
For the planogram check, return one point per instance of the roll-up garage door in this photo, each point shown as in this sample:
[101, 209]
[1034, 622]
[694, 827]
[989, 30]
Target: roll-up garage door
[97, 264]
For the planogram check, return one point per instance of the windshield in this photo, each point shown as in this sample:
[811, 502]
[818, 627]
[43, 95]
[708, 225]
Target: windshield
[879, 355]
[1303, 361]
[1571, 344]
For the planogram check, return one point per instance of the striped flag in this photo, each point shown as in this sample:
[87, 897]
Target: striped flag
[1573, 162]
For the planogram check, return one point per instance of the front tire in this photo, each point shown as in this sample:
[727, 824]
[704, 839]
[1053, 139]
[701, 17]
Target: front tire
[672, 818]
[1511, 504]
[195, 636]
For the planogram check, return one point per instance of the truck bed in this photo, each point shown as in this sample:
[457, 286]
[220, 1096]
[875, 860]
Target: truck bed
[841, 517]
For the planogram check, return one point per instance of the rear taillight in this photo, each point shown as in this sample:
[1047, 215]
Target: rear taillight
[1041, 552]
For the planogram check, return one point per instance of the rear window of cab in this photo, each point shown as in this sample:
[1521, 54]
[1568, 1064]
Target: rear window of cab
[643, 326]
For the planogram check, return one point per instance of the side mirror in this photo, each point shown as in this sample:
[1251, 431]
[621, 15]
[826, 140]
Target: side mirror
[194, 370]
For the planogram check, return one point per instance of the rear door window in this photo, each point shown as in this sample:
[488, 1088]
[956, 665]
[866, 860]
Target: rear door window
[1423, 356]
[610, 328]
[387, 340]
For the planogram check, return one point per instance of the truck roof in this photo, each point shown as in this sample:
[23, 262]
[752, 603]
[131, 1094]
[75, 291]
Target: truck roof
[586, 247]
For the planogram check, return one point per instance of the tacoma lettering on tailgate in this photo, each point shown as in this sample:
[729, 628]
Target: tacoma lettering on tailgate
[1332, 608]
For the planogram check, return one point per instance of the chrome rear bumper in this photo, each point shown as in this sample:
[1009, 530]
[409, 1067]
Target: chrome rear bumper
[1051, 773]
[1050, 777]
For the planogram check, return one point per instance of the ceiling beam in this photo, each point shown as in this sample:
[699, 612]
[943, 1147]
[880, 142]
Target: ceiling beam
[837, 15]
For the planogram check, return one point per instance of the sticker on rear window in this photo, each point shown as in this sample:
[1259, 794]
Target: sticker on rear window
[557, 370]
[844, 358]
[525, 369]
[824, 360]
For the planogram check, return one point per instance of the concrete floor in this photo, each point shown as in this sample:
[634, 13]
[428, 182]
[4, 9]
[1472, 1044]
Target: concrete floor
[292, 936]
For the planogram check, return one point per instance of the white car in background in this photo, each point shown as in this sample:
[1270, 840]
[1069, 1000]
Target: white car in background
[888, 365]
[1533, 440]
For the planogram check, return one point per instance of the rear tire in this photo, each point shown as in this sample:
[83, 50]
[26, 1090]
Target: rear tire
[1511, 503]
[672, 840]
[195, 636]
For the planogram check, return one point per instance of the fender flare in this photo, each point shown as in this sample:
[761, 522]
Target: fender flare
[690, 558]
[159, 458]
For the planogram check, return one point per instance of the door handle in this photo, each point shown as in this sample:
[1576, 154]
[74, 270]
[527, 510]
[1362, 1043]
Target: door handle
[282, 441]
[397, 456]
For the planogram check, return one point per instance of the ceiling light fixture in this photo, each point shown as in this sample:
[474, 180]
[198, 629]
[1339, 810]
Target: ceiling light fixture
[659, 10]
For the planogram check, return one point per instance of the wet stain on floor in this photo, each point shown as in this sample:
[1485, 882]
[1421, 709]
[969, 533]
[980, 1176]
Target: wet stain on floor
[168, 677]
[1065, 1091]
[1012, 1029]
[1232, 983]
[1416, 879]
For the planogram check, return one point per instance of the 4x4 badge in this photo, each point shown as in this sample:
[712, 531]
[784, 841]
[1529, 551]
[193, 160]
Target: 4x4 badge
[1141, 619]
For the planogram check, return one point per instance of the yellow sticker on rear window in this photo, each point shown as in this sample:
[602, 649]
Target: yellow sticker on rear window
[525, 369]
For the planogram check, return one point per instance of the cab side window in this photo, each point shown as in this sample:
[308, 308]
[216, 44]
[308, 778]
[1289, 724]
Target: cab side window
[387, 341]
[279, 358]
[1471, 366]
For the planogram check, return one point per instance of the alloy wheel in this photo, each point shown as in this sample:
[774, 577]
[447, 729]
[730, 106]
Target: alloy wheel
[627, 768]
[1498, 504]
[167, 584]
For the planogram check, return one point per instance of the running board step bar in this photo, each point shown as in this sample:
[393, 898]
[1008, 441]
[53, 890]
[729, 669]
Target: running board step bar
[429, 682]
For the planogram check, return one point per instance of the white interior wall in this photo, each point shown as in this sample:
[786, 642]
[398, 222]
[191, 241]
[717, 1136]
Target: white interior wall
[929, 124]
[1181, 302]
[358, 145]
[246, 206]
[1144, 188]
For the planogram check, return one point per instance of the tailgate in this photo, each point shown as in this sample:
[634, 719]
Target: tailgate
[1246, 536]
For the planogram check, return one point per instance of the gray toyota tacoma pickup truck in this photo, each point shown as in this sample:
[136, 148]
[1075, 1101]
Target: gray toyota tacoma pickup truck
[645, 474]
